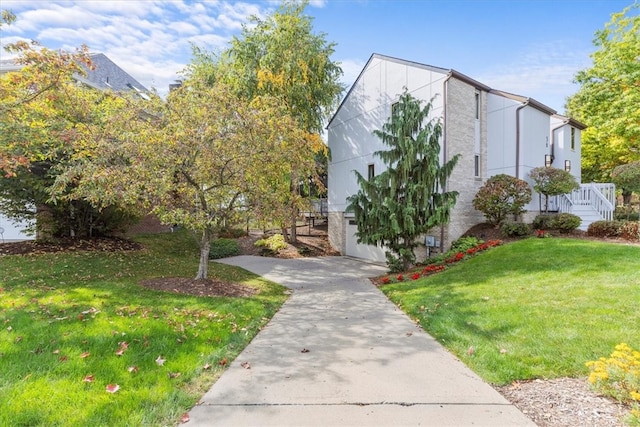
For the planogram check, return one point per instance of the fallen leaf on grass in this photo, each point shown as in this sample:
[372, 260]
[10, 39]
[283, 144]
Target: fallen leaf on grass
[206, 366]
[185, 418]
[246, 365]
[63, 358]
[88, 379]
[160, 361]
[56, 351]
[132, 369]
[471, 351]
[85, 355]
[174, 374]
[223, 362]
[112, 388]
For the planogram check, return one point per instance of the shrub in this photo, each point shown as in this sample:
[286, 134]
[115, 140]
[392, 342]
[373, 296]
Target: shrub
[515, 229]
[619, 377]
[622, 213]
[222, 248]
[465, 243]
[565, 222]
[630, 230]
[551, 181]
[542, 222]
[604, 229]
[233, 233]
[500, 196]
[273, 244]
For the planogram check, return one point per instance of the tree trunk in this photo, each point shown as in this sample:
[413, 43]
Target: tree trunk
[295, 192]
[205, 246]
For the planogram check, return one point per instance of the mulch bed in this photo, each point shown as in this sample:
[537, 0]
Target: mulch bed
[100, 244]
[200, 287]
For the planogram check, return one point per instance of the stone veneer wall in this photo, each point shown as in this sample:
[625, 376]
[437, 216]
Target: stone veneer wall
[460, 128]
[337, 231]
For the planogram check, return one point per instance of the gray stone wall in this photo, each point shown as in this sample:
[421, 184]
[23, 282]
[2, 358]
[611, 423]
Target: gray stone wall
[337, 230]
[461, 139]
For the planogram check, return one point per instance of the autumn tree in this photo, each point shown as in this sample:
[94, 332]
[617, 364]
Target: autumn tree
[500, 196]
[408, 199]
[608, 98]
[42, 111]
[197, 160]
[550, 181]
[282, 57]
[627, 179]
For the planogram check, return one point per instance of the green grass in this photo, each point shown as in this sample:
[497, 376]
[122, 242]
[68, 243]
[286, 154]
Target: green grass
[55, 307]
[537, 308]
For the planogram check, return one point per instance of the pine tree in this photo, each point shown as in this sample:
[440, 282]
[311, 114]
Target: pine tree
[408, 199]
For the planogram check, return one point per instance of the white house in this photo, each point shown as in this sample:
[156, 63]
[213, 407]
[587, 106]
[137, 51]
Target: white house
[494, 132]
[106, 76]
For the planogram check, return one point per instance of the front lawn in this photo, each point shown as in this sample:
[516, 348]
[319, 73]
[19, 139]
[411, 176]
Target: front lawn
[536, 308]
[77, 326]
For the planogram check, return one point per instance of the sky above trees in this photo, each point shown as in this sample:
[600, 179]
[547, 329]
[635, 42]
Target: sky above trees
[532, 48]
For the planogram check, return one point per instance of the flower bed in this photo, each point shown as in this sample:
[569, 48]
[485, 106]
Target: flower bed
[439, 265]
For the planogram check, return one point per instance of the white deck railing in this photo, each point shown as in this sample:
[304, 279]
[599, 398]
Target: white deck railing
[601, 197]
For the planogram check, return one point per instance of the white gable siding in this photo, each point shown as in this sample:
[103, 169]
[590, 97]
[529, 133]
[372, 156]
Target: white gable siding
[501, 135]
[353, 144]
[561, 137]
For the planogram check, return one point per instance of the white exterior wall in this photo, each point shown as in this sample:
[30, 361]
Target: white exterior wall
[352, 142]
[562, 150]
[501, 135]
[12, 231]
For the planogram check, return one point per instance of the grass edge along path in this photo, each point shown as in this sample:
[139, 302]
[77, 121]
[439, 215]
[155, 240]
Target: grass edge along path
[536, 308]
[81, 343]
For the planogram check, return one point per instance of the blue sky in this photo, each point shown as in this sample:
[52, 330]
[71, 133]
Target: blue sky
[531, 48]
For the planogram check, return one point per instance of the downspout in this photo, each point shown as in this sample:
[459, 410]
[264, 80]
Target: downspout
[444, 143]
[524, 104]
[553, 139]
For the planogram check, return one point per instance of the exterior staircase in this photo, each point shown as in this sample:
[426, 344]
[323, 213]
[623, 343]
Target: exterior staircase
[591, 202]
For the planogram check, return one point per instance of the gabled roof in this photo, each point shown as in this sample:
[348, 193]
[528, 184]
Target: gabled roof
[529, 101]
[106, 75]
[450, 73]
[569, 121]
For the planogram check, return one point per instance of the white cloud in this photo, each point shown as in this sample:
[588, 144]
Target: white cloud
[351, 68]
[544, 72]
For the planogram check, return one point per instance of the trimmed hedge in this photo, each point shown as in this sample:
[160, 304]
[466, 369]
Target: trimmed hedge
[222, 248]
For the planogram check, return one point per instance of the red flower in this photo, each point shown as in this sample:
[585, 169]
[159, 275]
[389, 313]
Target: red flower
[400, 277]
[415, 276]
[386, 280]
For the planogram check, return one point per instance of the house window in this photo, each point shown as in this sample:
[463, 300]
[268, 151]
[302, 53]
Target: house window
[371, 171]
[573, 138]
[476, 165]
[477, 101]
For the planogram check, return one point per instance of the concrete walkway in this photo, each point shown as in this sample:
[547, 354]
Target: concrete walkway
[339, 353]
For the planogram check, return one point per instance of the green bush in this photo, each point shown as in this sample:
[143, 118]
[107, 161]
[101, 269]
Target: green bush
[515, 229]
[500, 196]
[604, 229]
[543, 222]
[630, 230]
[464, 243]
[222, 248]
[622, 213]
[565, 222]
[273, 244]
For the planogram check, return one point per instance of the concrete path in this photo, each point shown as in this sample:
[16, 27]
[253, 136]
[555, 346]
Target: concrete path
[338, 353]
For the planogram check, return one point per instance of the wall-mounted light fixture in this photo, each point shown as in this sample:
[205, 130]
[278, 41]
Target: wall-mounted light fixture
[547, 160]
[567, 165]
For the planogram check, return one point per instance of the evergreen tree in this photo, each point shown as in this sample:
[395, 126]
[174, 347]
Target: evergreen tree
[408, 199]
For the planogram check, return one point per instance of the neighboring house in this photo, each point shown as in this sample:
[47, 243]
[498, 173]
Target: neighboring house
[106, 76]
[494, 132]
